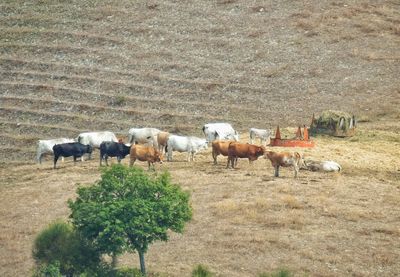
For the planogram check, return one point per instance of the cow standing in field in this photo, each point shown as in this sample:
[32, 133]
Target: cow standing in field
[143, 136]
[262, 134]
[284, 159]
[94, 139]
[223, 131]
[162, 140]
[144, 153]
[113, 149]
[192, 145]
[220, 147]
[74, 149]
[46, 147]
[243, 150]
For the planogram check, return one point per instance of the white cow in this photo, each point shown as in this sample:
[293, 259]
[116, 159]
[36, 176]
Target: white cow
[192, 145]
[45, 146]
[224, 131]
[94, 139]
[143, 136]
[327, 166]
[262, 134]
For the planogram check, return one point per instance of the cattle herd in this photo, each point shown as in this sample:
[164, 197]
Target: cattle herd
[150, 144]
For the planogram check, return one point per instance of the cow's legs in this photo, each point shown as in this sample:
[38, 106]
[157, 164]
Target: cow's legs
[277, 171]
[119, 159]
[214, 155]
[296, 170]
[75, 159]
[131, 162]
[228, 161]
[55, 161]
[39, 157]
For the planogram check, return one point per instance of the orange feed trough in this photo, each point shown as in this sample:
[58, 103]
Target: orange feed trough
[301, 139]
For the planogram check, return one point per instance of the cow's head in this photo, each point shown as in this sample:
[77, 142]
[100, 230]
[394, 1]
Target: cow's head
[260, 150]
[159, 157]
[89, 149]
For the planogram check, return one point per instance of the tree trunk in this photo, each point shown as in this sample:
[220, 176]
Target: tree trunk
[114, 260]
[142, 265]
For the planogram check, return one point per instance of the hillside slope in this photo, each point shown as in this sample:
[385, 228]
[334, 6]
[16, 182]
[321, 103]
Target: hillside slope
[72, 66]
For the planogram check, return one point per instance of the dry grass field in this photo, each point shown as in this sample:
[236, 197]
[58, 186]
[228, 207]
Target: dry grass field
[73, 66]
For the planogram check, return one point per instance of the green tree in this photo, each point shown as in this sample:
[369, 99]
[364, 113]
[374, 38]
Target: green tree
[127, 210]
[60, 246]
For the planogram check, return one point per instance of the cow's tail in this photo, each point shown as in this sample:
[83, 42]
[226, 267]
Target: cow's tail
[204, 130]
[166, 148]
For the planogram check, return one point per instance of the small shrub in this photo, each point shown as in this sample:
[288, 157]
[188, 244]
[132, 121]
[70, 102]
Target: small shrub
[279, 273]
[48, 270]
[61, 244]
[119, 100]
[201, 271]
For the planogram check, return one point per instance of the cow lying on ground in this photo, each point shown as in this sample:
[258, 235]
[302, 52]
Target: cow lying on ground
[113, 149]
[94, 139]
[74, 149]
[284, 159]
[262, 134]
[144, 153]
[46, 147]
[327, 166]
[191, 145]
[162, 140]
[243, 150]
[220, 147]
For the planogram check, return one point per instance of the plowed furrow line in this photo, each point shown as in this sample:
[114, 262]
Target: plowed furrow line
[42, 131]
[174, 103]
[72, 107]
[123, 75]
[51, 34]
[92, 122]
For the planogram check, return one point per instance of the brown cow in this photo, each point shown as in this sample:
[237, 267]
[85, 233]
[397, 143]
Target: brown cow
[220, 147]
[284, 159]
[243, 150]
[162, 139]
[145, 153]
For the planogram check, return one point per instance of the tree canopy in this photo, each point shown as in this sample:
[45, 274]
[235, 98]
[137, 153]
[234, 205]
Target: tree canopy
[127, 209]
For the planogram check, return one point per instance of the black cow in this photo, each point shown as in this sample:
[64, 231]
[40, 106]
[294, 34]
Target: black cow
[75, 149]
[113, 149]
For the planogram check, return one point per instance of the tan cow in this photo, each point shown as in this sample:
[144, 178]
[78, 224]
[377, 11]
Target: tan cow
[243, 150]
[220, 147]
[162, 139]
[284, 159]
[145, 153]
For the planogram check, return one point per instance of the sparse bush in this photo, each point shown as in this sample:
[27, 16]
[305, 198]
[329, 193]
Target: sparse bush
[48, 270]
[278, 273]
[201, 271]
[119, 100]
[59, 244]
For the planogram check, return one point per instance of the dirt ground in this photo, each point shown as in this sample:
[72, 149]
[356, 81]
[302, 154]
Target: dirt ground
[86, 65]
[245, 220]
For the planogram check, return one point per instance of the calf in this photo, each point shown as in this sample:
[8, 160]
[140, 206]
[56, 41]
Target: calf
[262, 134]
[243, 150]
[74, 149]
[284, 159]
[145, 153]
[113, 149]
[220, 147]
[162, 140]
